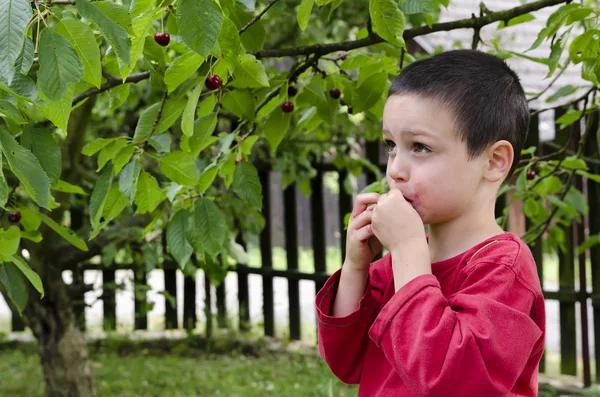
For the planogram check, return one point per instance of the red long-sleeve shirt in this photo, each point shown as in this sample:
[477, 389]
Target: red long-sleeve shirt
[476, 327]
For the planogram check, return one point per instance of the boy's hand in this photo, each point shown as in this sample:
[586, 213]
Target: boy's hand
[400, 229]
[361, 243]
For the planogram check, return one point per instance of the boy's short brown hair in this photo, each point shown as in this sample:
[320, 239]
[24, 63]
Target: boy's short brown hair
[481, 90]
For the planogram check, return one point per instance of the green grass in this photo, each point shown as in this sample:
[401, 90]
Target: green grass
[183, 368]
[144, 373]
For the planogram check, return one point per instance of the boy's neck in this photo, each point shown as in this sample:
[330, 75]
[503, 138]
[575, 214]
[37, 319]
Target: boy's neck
[454, 237]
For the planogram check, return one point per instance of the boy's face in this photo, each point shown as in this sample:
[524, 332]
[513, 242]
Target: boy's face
[427, 160]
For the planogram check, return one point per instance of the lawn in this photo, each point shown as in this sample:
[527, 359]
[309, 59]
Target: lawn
[189, 368]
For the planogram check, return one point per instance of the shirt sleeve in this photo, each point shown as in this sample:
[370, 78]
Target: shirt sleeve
[476, 342]
[343, 341]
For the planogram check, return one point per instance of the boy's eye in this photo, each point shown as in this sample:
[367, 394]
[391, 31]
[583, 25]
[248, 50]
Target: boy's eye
[391, 146]
[420, 148]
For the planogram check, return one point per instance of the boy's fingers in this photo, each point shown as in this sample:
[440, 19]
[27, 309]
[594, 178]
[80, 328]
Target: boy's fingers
[363, 234]
[361, 220]
[363, 201]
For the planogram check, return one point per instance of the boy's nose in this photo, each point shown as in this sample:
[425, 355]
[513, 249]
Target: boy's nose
[398, 169]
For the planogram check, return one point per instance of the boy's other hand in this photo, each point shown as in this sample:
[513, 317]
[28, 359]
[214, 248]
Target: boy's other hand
[361, 243]
[396, 223]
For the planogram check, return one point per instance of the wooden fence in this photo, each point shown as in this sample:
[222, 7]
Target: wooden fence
[568, 294]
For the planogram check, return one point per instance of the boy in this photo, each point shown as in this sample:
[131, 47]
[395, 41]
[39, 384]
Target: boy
[459, 312]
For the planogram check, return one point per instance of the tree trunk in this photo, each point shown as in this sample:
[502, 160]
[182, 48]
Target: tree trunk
[61, 344]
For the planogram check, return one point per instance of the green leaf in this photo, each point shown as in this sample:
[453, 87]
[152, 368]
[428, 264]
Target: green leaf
[276, 127]
[585, 47]
[3, 186]
[562, 205]
[143, 129]
[304, 12]
[246, 184]
[207, 177]
[557, 49]
[81, 36]
[211, 225]
[66, 187]
[123, 158]
[562, 92]
[114, 33]
[45, 148]
[171, 112]
[27, 168]
[592, 177]
[577, 200]
[25, 59]
[32, 276]
[177, 243]
[550, 185]
[388, 21]
[199, 23]
[187, 120]
[569, 118]
[162, 143]
[14, 17]
[250, 73]
[590, 242]
[143, 13]
[555, 21]
[229, 41]
[64, 232]
[241, 103]
[58, 111]
[148, 195]
[99, 195]
[247, 144]
[128, 180]
[516, 21]
[11, 111]
[17, 288]
[96, 145]
[59, 65]
[203, 130]
[110, 152]
[9, 240]
[574, 163]
[180, 167]
[412, 7]
[371, 91]
[182, 68]
[116, 202]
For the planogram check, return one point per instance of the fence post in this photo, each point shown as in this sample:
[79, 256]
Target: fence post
[593, 190]
[189, 299]
[317, 205]
[109, 314]
[140, 299]
[267, 255]
[243, 293]
[537, 247]
[291, 248]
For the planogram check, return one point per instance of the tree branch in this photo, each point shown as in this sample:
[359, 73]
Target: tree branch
[111, 82]
[468, 23]
[256, 18]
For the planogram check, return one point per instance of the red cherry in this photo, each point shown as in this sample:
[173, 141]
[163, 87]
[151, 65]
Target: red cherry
[335, 93]
[287, 107]
[14, 217]
[162, 39]
[240, 160]
[350, 110]
[531, 175]
[292, 91]
[342, 102]
[213, 82]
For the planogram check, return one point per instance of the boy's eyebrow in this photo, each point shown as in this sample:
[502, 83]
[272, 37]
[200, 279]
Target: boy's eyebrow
[411, 132]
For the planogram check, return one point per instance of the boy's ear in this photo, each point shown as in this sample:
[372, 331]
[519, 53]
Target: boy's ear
[500, 159]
